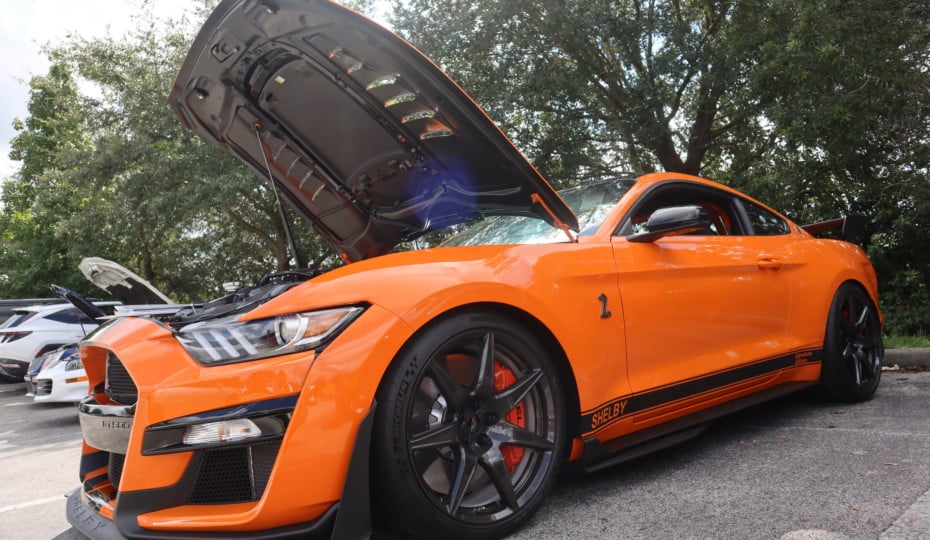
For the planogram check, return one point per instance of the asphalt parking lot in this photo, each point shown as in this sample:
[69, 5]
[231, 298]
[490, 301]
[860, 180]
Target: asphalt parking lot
[793, 469]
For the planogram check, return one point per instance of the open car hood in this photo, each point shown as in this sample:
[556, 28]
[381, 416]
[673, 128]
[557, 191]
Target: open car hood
[364, 136]
[122, 283]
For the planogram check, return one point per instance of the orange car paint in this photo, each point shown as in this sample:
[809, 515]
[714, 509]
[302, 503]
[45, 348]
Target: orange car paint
[682, 309]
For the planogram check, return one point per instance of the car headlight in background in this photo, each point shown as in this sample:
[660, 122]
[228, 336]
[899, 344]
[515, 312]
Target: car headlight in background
[74, 363]
[226, 340]
[68, 356]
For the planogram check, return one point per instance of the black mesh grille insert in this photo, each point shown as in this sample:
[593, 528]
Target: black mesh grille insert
[234, 475]
[119, 385]
[115, 468]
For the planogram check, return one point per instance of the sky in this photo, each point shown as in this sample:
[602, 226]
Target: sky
[26, 25]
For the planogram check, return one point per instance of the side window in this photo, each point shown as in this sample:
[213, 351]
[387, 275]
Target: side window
[764, 223]
[718, 205]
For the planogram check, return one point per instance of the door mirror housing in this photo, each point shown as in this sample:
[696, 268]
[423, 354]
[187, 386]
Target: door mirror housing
[673, 221]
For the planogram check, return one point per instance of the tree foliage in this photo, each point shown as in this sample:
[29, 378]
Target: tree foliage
[115, 175]
[33, 249]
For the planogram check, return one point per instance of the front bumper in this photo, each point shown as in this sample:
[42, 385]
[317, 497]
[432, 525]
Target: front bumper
[148, 488]
[57, 385]
[92, 525]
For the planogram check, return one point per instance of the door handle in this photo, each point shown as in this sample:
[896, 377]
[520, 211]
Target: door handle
[769, 263]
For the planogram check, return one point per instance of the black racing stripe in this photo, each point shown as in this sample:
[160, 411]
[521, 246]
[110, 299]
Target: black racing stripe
[608, 413]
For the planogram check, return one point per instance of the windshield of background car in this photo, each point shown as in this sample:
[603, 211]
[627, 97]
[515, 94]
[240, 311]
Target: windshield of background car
[591, 203]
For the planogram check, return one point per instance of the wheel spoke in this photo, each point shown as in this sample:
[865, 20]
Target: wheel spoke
[848, 350]
[875, 364]
[494, 464]
[448, 386]
[484, 383]
[514, 394]
[444, 435]
[857, 368]
[507, 433]
[464, 470]
[863, 317]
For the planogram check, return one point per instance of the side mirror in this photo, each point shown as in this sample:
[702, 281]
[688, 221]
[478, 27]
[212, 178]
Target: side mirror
[673, 221]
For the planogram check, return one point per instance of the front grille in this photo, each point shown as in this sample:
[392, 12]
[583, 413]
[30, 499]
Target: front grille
[43, 387]
[115, 468]
[234, 475]
[119, 385]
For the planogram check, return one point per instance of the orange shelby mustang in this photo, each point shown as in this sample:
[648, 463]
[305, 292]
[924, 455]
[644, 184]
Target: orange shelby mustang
[442, 388]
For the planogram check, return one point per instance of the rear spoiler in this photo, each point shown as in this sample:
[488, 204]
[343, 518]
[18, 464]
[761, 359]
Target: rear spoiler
[850, 228]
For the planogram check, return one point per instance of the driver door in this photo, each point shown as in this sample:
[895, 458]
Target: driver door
[702, 311]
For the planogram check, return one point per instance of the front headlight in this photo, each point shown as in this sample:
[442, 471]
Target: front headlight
[226, 340]
[67, 355]
[74, 363]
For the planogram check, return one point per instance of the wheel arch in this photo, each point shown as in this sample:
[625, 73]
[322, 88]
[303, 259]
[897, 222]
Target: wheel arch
[858, 283]
[537, 328]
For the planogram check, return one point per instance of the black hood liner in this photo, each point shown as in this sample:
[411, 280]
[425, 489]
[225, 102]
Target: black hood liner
[365, 137]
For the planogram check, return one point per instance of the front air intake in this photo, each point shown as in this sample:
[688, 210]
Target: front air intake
[234, 475]
[119, 385]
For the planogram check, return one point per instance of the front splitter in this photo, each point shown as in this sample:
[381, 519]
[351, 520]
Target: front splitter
[88, 522]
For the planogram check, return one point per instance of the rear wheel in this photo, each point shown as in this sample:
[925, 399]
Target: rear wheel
[853, 350]
[470, 430]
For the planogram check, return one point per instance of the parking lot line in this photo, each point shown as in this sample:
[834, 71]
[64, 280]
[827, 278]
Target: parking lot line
[31, 503]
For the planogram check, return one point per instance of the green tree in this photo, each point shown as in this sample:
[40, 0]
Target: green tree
[142, 190]
[844, 89]
[590, 87]
[33, 250]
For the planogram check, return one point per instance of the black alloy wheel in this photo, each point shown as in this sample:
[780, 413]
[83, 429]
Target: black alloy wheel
[470, 432]
[853, 350]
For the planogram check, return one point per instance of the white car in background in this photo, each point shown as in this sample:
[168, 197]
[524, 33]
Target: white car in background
[57, 376]
[33, 331]
[60, 376]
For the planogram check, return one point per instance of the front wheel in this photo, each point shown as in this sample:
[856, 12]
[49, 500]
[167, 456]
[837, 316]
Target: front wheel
[470, 430]
[853, 350]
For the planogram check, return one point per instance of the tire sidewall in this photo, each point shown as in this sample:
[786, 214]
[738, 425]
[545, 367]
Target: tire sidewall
[400, 499]
[836, 378]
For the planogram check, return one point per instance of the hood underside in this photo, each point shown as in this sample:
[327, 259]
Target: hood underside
[363, 135]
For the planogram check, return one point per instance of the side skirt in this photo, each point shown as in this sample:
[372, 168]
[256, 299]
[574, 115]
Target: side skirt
[601, 455]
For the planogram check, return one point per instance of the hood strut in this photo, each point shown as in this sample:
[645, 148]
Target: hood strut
[277, 199]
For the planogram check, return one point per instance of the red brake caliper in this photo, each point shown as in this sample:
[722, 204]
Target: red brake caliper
[503, 378]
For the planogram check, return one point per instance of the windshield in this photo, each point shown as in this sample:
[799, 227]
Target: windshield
[591, 204]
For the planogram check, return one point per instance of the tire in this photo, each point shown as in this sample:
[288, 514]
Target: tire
[852, 347]
[469, 431]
